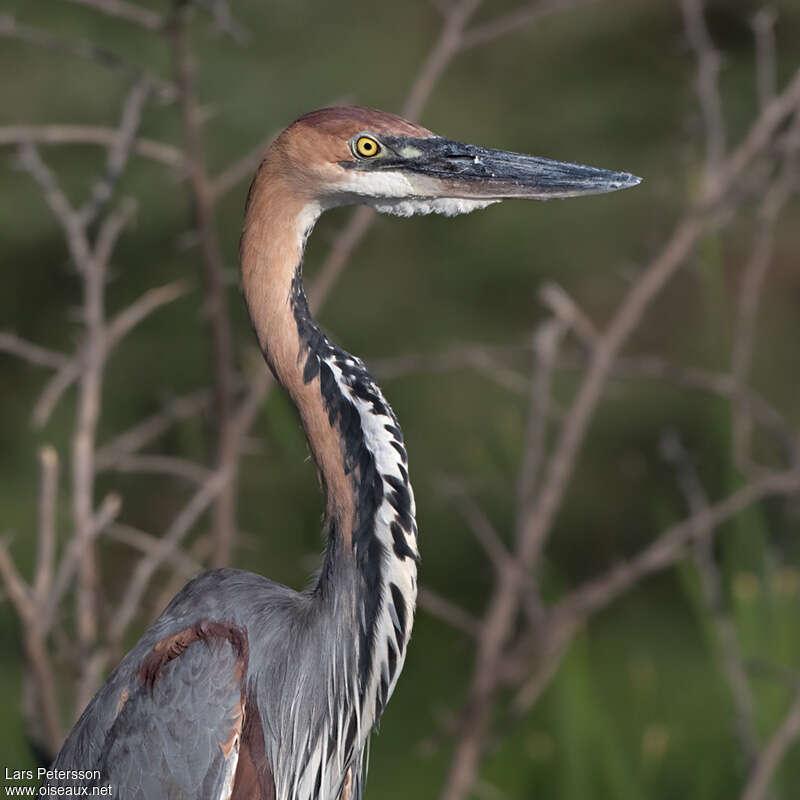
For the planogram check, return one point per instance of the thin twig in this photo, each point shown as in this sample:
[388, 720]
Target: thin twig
[764, 31]
[708, 67]
[80, 48]
[773, 753]
[38, 660]
[504, 604]
[148, 430]
[163, 465]
[750, 288]
[520, 17]
[147, 567]
[447, 611]
[215, 305]
[46, 545]
[30, 352]
[130, 12]
[119, 153]
[151, 546]
[478, 523]
[711, 582]
[160, 152]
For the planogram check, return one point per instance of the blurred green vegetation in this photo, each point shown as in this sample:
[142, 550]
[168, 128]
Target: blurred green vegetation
[640, 707]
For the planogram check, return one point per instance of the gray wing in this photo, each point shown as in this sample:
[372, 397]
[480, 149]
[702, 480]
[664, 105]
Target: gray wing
[178, 730]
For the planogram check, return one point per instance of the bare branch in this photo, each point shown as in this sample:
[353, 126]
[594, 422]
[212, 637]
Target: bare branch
[447, 45]
[71, 223]
[752, 280]
[17, 590]
[483, 359]
[504, 604]
[447, 611]
[46, 546]
[151, 546]
[773, 753]
[111, 229]
[68, 565]
[89, 134]
[163, 465]
[79, 48]
[216, 309]
[53, 389]
[569, 312]
[119, 327]
[766, 71]
[43, 679]
[119, 153]
[711, 582]
[149, 429]
[708, 67]
[146, 568]
[546, 342]
[670, 545]
[240, 170]
[141, 308]
[520, 17]
[30, 352]
[479, 524]
[220, 10]
[130, 12]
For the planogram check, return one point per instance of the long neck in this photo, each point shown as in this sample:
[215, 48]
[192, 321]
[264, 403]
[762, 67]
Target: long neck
[352, 432]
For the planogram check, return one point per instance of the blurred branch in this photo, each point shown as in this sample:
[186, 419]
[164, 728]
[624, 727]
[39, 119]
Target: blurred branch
[71, 222]
[151, 546]
[220, 10]
[494, 362]
[119, 327]
[149, 429]
[712, 594]
[70, 559]
[447, 611]
[163, 465]
[669, 546]
[483, 359]
[92, 273]
[750, 288]
[146, 568]
[119, 152]
[546, 648]
[546, 343]
[766, 70]
[41, 671]
[514, 20]
[46, 547]
[215, 301]
[708, 67]
[241, 169]
[30, 352]
[773, 753]
[478, 524]
[130, 12]
[504, 604]
[89, 134]
[80, 48]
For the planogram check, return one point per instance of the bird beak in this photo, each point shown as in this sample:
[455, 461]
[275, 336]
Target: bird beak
[443, 168]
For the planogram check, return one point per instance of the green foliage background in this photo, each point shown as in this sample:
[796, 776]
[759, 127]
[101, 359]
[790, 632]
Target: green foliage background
[639, 707]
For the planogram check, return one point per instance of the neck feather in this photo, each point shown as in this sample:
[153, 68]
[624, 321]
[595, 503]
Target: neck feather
[353, 434]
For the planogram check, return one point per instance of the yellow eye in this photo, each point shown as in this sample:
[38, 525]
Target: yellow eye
[367, 147]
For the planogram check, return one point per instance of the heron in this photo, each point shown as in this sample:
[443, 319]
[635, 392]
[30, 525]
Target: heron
[244, 688]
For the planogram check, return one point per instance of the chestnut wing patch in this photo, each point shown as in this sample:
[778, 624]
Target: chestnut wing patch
[178, 732]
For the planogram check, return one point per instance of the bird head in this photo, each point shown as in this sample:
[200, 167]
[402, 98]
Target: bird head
[346, 155]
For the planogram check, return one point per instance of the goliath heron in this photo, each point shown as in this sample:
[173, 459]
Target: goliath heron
[244, 688]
